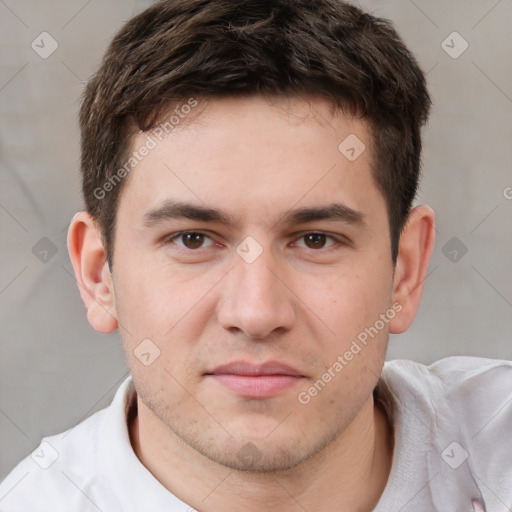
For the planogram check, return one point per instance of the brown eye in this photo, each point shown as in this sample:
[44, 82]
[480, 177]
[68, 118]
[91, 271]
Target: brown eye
[315, 240]
[192, 240]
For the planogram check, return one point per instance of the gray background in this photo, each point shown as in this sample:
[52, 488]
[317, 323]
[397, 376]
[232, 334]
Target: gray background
[55, 370]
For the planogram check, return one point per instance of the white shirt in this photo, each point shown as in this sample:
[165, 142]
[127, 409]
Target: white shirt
[453, 449]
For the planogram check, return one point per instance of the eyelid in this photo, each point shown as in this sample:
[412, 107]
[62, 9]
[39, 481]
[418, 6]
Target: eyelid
[173, 236]
[338, 239]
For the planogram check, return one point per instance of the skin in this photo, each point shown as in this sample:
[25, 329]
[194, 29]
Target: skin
[300, 302]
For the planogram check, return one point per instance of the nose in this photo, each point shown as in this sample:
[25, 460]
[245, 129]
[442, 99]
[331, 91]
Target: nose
[256, 299]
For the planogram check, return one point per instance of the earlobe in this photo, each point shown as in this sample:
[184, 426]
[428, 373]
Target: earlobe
[92, 273]
[416, 246]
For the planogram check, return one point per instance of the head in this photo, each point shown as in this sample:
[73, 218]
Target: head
[178, 50]
[284, 138]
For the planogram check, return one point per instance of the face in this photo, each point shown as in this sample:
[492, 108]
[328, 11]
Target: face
[253, 257]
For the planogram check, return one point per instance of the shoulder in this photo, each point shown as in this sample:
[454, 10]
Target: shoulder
[452, 371]
[66, 470]
[456, 416]
[479, 391]
[49, 469]
[470, 395]
[477, 382]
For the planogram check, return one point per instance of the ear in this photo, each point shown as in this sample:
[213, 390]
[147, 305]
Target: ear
[416, 246]
[92, 273]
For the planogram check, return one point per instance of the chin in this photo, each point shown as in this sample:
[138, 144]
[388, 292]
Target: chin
[250, 458]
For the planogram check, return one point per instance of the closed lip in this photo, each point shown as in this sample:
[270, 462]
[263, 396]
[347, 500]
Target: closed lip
[255, 369]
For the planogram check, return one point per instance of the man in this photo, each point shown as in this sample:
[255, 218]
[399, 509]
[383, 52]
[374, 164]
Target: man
[249, 171]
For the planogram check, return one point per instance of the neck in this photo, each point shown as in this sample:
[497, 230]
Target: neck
[349, 474]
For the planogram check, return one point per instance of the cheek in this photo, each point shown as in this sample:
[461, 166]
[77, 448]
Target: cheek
[350, 300]
[160, 302]
[353, 356]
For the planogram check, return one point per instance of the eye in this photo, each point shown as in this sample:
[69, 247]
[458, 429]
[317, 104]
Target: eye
[317, 240]
[190, 240]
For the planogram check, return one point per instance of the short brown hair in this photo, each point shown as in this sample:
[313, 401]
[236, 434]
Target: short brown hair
[177, 49]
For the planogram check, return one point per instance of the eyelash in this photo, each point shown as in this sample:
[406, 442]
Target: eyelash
[171, 238]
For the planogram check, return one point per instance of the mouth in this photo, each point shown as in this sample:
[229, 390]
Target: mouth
[252, 380]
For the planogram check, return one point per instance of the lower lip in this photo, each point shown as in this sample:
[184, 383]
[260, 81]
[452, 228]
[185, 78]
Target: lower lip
[257, 386]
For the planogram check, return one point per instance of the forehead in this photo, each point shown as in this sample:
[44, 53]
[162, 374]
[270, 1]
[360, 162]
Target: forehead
[240, 153]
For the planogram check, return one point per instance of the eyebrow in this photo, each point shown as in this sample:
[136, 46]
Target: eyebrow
[175, 210]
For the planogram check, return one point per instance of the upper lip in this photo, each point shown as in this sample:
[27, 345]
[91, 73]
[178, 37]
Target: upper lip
[254, 369]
